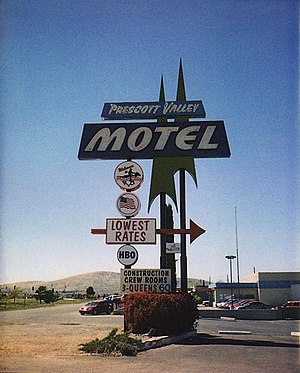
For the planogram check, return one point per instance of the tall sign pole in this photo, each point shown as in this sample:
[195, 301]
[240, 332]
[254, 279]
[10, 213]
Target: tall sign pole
[183, 257]
[163, 254]
[181, 95]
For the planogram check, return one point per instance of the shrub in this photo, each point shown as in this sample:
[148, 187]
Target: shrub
[170, 314]
[113, 344]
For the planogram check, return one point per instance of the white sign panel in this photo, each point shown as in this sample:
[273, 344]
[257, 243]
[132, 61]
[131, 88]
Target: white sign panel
[135, 231]
[145, 280]
[127, 255]
[173, 248]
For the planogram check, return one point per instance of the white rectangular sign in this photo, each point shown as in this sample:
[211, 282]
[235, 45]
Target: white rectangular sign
[145, 280]
[135, 231]
[173, 248]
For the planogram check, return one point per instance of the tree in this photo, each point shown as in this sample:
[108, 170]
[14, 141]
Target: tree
[48, 296]
[39, 293]
[90, 292]
[14, 293]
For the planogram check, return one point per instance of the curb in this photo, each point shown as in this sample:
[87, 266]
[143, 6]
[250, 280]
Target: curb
[228, 318]
[234, 332]
[156, 342]
[295, 334]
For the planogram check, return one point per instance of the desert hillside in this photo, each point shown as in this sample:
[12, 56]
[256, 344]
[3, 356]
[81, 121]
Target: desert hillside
[102, 282]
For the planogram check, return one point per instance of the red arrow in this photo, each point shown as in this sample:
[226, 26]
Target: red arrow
[194, 231]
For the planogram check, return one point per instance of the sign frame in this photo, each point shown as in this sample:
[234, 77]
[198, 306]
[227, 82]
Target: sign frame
[123, 260]
[173, 248]
[197, 139]
[131, 208]
[152, 110]
[151, 280]
[129, 176]
[130, 231]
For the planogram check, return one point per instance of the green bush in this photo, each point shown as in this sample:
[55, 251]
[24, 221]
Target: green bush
[170, 314]
[113, 344]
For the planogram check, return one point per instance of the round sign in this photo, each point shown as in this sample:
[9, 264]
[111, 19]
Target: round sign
[128, 204]
[127, 255]
[129, 175]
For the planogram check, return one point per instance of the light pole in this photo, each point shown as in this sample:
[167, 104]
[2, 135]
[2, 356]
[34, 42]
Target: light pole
[231, 257]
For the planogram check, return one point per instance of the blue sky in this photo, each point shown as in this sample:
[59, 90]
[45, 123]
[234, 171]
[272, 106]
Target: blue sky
[62, 60]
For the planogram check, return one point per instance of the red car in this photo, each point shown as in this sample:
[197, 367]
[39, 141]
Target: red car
[242, 302]
[291, 304]
[254, 306]
[97, 307]
[290, 310]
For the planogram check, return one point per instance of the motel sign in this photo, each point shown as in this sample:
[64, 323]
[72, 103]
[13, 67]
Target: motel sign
[201, 139]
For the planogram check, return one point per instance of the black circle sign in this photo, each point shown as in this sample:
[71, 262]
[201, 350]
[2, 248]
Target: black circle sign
[127, 255]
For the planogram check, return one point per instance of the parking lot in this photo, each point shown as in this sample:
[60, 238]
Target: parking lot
[47, 340]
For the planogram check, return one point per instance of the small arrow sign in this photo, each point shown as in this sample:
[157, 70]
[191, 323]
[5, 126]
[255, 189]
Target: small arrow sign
[195, 231]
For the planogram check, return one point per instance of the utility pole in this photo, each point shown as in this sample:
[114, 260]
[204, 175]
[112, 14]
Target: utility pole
[231, 257]
[237, 254]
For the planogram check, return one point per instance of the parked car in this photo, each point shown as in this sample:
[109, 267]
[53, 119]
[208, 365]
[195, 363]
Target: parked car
[290, 310]
[207, 303]
[227, 304]
[254, 306]
[112, 297]
[242, 302]
[97, 307]
[115, 299]
[291, 304]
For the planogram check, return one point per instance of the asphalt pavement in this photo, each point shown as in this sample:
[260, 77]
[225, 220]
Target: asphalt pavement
[268, 347]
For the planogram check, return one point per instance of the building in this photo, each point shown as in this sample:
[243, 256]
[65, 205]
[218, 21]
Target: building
[221, 291]
[273, 288]
[276, 288]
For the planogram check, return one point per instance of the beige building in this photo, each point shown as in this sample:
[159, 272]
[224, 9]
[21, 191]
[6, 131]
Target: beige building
[276, 288]
[273, 288]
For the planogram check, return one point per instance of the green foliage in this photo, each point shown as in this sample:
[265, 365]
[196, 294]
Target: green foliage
[15, 293]
[170, 314]
[90, 292]
[21, 303]
[113, 344]
[197, 299]
[39, 293]
[48, 296]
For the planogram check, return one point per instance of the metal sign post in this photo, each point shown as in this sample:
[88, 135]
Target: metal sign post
[181, 95]
[183, 258]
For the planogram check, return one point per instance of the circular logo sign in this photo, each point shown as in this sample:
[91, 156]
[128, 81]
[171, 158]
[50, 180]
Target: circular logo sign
[128, 204]
[129, 175]
[127, 255]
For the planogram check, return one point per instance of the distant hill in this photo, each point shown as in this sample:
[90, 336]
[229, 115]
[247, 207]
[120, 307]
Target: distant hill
[102, 282]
